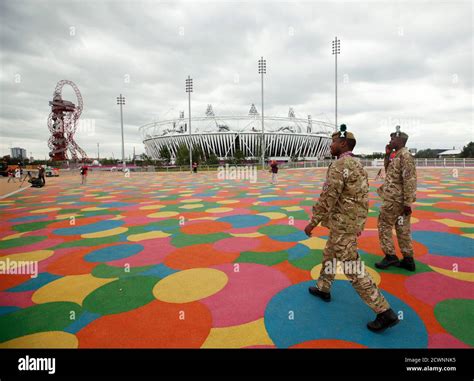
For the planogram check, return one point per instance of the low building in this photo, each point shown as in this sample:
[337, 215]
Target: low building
[450, 153]
[18, 153]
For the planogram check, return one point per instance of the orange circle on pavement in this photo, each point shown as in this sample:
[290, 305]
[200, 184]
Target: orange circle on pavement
[206, 227]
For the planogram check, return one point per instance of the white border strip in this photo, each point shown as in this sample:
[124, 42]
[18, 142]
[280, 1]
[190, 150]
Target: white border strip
[12, 193]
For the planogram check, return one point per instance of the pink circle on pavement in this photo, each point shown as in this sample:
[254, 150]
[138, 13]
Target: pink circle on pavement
[445, 340]
[430, 225]
[42, 245]
[433, 288]
[153, 253]
[18, 299]
[246, 295]
[465, 265]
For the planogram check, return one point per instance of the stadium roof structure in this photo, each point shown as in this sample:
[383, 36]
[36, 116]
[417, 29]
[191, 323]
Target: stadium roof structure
[285, 137]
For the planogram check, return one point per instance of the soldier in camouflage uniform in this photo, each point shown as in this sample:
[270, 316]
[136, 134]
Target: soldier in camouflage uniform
[398, 193]
[342, 207]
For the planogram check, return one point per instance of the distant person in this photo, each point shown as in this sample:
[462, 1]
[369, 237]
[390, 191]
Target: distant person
[195, 167]
[35, 182]
[389, 153]
[84, 170]
[41, 172]
[11, 175]
[398, 193]
[274, 171]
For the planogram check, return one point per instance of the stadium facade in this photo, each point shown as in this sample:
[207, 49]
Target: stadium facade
[285, 137]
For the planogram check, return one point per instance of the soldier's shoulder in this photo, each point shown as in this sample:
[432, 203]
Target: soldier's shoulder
[352, 162]
[339, 164]
[407, 155]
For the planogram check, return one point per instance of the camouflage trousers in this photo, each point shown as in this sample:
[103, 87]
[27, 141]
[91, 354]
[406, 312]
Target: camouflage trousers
[343, 247]
[391, 214]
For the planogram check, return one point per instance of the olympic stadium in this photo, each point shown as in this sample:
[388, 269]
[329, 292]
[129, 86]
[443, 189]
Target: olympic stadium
[285, 137]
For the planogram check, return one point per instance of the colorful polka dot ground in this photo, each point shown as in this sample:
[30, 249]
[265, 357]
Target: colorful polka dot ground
[181, 261]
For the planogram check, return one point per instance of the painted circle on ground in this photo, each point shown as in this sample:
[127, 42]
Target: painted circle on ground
[245, 220]
[112, 253]
[155, 325]
[197, 256]
[292, 318]
[218, 210]
[236, 244]
[162, 214]
[457, 317]
[206, 227]
[91, 228]
[442, 243]
[246, 294]
[121, 295]
[316, 270]
[190, 285]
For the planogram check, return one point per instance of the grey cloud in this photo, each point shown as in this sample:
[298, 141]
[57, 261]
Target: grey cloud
[404, 60]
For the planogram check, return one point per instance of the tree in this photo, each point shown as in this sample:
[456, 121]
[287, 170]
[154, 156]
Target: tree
[238, 158]
[426, 154]
[145, 159]
[212, 159]
[468, 151]
[182, 155]
[165, 155]
[198, 154]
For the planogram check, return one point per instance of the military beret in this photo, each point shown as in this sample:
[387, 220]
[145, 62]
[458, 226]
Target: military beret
[343, 133]
[399, 133]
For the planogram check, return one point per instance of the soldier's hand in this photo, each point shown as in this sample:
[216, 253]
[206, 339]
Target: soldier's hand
[308, 229]
[407, 210]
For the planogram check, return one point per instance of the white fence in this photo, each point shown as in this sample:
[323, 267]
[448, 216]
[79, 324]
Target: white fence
[378, 163]
[370, 163]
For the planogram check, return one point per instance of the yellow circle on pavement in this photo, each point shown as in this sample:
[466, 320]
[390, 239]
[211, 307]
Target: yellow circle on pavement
[190, 285]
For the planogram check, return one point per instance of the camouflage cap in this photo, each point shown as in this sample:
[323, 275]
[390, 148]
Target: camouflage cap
[399, 133]
[343, 133]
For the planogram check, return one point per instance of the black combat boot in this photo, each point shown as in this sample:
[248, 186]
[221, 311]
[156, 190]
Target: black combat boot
[389, 260]
[383, 321]
[326, 296]
[408, 263]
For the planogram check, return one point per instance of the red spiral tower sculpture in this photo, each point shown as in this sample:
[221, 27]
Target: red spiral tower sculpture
[62, 123]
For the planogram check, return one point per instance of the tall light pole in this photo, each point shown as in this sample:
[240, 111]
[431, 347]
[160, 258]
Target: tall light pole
[262, 69]
[336, 50]
[98, 153]
[189, 90]
[121, 102]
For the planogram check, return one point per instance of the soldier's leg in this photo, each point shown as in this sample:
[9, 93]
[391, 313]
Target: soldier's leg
[387, 219]
[326, 277]
[385, 223]
[360, 279]
[403, 229]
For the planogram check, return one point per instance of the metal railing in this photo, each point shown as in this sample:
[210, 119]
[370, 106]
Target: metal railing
[378, 163]
[369, 163]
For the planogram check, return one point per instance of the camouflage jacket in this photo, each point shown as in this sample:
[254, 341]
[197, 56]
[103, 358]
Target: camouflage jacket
[343, 204]
[400, 179]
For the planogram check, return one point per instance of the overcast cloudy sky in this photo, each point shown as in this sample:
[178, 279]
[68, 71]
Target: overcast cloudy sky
[408, 63]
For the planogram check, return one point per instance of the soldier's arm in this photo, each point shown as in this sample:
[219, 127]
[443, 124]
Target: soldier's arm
[329, 195]
[409, 181]
[386, 160]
